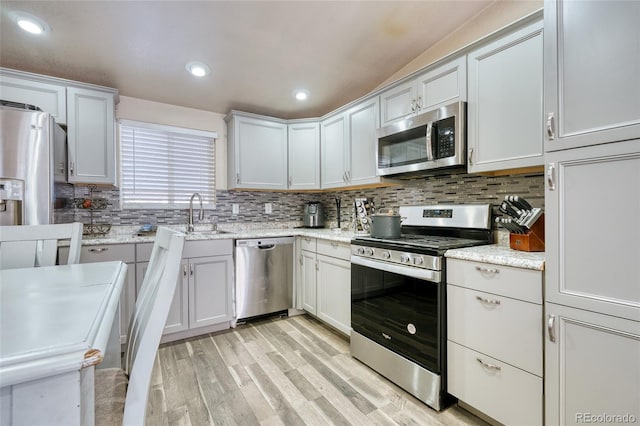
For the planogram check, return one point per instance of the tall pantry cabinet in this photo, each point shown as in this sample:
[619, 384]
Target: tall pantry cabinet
[592, 201]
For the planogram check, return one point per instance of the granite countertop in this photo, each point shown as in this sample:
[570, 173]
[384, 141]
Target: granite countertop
[500, 255]
[128, 234]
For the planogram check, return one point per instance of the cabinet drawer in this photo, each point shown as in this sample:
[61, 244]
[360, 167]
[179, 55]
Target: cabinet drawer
[334, 249]
[198, 248]
[101, 253]
[505, 328]
[523, 284]
[505, 393]
[308, 243]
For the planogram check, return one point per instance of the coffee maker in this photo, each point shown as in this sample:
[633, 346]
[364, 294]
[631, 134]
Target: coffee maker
[313, 215]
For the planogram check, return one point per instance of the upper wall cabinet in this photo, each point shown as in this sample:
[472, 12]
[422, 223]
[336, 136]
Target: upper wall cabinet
[434, 88]
[304, 155]
[49, 97]
[257, 152]
[90, 136]
[592, 73]
[334, 151]
[362, 122]
[504, 110]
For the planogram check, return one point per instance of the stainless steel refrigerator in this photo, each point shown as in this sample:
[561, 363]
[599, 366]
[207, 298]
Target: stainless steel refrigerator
[32, 152]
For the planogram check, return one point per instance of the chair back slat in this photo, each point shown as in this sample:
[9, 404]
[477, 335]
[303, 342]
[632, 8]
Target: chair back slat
[148, 320]
[26, 246]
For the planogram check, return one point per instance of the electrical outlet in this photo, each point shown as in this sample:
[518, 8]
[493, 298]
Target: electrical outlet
[268, 208]
[235, 208]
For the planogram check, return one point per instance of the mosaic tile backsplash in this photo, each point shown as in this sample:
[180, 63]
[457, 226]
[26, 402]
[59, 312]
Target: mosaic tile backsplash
[287, 206]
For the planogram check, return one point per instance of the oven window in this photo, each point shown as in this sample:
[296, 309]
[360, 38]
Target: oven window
[400, 149]
[398, 312]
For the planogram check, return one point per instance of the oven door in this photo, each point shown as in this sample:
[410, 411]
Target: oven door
[400, 308]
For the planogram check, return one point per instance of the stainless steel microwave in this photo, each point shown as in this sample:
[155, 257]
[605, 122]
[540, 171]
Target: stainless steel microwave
[427, 141]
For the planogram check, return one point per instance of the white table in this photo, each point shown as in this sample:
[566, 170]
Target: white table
[56, 325]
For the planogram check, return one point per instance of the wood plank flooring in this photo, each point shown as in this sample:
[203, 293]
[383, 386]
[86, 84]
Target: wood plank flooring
[290, 371]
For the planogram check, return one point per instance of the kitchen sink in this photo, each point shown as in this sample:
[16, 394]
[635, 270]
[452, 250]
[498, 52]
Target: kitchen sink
[210, 232]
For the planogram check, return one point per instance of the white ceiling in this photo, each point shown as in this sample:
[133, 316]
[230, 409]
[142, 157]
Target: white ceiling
[258, 51]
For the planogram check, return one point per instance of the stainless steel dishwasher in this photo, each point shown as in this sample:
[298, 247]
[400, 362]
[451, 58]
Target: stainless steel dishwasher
[264, 276]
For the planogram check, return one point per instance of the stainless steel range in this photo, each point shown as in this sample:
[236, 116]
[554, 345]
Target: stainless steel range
[398, 295]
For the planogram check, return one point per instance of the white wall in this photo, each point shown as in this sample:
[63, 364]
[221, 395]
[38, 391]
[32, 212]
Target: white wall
[173, 115]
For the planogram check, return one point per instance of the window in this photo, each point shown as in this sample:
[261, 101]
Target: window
[163, 166]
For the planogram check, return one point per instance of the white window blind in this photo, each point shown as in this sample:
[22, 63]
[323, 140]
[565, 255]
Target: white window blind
[163, 166]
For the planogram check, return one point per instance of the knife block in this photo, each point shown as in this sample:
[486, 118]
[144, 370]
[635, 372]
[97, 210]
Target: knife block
[532, 240]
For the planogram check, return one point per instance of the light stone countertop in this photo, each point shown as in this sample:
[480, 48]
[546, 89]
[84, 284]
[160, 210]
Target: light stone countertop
[500, 255]
[128, 234]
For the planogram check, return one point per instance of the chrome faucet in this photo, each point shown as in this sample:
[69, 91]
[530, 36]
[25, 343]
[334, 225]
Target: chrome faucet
[200, 216]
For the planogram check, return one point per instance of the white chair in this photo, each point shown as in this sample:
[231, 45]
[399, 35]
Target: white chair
[121, 394]
[24, 246]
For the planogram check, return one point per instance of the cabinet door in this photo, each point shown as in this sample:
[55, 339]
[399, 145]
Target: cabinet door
[127, 301]
[210, 287]
[443, 85]
[362, 121]
[592, 201]
[333, 145]
[308, 276]
[592, 72]
[505, 102]
[90, 136]
[304, 156]
[398, 102]
[334, 292]
[48, 97]
[260, 153]
[591, 367]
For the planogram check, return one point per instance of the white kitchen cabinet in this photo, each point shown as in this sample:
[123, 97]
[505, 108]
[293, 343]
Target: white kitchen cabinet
[325, 281]
[591, 72]
[34, 90]
[504, 110]
[334, 152]
[107, 253]
[204, 292]
[362, 121]
[592, 367]
[494, 340]
[592, 203]
[304, 155]
[91, 136]
[434, 88]
[257, 152]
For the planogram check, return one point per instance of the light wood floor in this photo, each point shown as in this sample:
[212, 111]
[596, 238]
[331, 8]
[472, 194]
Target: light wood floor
[291, 371]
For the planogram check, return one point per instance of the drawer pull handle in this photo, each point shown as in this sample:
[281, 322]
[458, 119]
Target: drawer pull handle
[184, 271]
[98, 250]
[488, 270]
[488, 301]
[489, 366]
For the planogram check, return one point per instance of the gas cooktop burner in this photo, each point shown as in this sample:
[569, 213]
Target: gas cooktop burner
[424, 241]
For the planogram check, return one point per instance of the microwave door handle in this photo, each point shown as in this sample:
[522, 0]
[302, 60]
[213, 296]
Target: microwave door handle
[429, 141]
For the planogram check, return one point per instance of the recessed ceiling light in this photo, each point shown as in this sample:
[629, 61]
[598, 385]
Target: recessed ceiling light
[301, 95]
[198, 68]
[29, 23]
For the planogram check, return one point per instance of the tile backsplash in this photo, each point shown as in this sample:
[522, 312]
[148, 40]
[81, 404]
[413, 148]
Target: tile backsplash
[456, 188]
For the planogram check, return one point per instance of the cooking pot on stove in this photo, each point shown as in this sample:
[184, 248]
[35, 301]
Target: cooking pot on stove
[385, 224]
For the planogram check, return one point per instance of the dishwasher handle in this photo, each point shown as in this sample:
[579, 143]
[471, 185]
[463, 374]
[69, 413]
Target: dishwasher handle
[267, 246]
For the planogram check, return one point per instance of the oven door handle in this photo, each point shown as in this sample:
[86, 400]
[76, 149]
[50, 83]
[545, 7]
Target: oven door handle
[423, 274]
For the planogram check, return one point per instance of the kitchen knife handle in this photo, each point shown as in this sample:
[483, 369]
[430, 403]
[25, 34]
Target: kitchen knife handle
[551, 328]
[550, 127]
[551, 180]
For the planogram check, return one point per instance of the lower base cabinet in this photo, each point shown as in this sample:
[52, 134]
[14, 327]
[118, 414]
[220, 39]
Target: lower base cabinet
[203, 296]
[592, 368]
[325, 279]
[494, 346]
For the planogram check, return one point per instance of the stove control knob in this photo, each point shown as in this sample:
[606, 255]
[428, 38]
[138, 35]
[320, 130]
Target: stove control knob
[405, 258]
[369, 252]
[417, 261]
[386, 255]
[360, 250]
